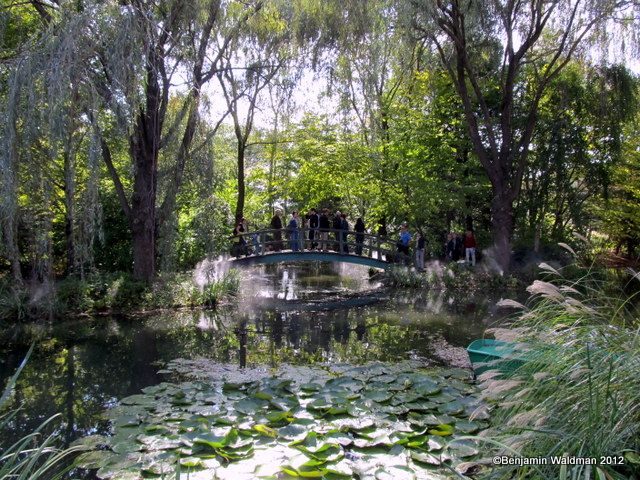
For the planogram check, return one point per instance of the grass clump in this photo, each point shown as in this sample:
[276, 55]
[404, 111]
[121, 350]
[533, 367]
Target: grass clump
[214, 292]
[580, 397]
[404, 277]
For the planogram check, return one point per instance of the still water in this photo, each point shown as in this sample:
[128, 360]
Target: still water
[309, 314]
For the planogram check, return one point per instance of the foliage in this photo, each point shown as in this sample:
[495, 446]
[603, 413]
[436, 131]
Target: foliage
[214, 292]
[377, 418]
[113, 292]
[404, 277]
[579, 395]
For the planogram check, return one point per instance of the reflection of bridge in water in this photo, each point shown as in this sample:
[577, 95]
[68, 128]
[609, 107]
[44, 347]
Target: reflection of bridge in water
[314, 245]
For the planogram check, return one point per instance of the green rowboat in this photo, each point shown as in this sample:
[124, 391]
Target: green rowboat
[488, 354]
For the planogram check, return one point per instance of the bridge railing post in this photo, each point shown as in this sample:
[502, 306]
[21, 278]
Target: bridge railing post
[379, 247]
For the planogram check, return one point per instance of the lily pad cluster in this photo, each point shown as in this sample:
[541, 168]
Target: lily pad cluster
[374, 421]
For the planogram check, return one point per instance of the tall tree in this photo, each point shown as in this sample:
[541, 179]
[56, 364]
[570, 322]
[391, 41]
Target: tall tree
[484, 47]
[254, 59]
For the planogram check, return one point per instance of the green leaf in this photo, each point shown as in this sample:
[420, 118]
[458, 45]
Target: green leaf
[265, 430]
[210, 440]
[442, 430]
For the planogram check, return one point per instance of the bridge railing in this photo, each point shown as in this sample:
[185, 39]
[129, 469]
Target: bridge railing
[265, 241]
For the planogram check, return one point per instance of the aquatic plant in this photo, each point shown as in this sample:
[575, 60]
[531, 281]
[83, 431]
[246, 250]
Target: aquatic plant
[35, 455]
[212, 293]
[401, 276]
[376, 420]
[580, 396]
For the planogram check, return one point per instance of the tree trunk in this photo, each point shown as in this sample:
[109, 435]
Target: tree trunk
[143, 215]
[11, 248]
[69, 214]
[502, 229]
[241, 187]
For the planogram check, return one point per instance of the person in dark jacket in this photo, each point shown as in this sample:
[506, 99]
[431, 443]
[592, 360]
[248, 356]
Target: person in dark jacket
[314, 221]
[344, 226]
[450, 246]
[324, 224]
[337, 226]
[458, 248]
[276, 224]
[359, 228]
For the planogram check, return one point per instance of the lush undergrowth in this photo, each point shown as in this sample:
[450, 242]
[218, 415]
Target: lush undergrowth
[111, 293]
[580, 396]
[454, 277]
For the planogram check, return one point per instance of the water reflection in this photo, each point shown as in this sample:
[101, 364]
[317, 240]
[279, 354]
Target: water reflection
[80, 367]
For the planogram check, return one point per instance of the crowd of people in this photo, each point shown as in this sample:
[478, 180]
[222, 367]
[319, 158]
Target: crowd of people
[329, 231]
[324, 231]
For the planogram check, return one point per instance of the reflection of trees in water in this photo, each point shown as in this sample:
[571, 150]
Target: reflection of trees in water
[86, 366]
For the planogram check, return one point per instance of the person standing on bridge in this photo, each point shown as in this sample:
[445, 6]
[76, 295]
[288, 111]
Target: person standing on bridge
[337, 227]
[276, 224]
[360, 229]
[403, 242]
[324, 226]
[314, 221]
[344, 227]
[294, 234]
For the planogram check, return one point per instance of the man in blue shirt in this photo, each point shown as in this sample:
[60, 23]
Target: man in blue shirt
[405, 238]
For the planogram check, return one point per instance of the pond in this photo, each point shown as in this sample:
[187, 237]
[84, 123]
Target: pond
[293, 314]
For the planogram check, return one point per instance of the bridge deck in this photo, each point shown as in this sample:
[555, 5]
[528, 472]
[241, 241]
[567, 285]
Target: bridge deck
[310, 256]
[304, 245]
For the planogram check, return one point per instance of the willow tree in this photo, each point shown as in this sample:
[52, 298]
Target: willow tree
[485, 46]
[263, 50]
[118, 64]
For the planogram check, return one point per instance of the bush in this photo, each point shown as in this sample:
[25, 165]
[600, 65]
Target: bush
[213, 293]
[405, 277]
[73, 294]
[14, 303]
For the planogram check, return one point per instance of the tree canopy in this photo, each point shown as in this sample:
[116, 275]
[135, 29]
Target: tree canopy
[135, 133]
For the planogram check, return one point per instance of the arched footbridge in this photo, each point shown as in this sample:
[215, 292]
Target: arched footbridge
[314, 245]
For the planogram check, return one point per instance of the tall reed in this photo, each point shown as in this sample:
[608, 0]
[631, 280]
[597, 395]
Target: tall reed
[579, 395]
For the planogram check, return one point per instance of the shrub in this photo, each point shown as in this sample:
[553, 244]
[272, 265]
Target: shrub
[212, 293]
[405, 277]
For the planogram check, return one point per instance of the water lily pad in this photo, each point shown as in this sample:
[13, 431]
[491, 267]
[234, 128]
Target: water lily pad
[292, 432]
[395, 473]
[265, 430]
[248, 406]
[464, 426]
[424, 457]
[191, 462]
[442, 430]
[462, 448]
[378, 396]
